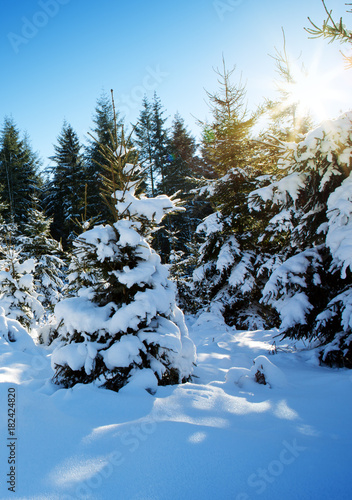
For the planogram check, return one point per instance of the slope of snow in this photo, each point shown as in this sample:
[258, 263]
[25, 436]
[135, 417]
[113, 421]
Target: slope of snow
[223, 436]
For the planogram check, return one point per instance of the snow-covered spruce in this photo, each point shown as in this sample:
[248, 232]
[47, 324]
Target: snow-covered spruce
[334, 324]
[283, 253]
[311, 288]
[18, 296]
[286, 288]
[123, 323]
[227, 277]
[14, 334]
[36, 242]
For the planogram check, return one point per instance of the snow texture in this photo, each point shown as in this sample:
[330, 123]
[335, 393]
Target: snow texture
[153, 209]
[285, 289]
[262, 370]
[211, 224]
[212, 438]
[339, 233]
[280, 191]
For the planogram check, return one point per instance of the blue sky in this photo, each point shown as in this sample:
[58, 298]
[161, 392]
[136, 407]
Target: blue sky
[59, 55]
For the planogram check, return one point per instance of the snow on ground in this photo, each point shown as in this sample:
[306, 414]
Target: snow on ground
[223, 436]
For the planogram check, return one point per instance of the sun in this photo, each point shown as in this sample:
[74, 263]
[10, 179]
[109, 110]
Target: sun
[309, 93]
[312, 92]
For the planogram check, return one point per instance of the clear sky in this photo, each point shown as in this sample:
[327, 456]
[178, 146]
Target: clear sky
[59, 55]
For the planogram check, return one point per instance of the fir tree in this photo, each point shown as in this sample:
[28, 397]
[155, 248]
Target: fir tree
[122, 324]
[37, 243]
[18, 294]
[227, 259]
[228, 144]
[332, 30]
[143, 133]
[64, 197]
[180, 176]
[231, 264]
[154, 151]
[160, 141]
[226, 140]
[288, 121]
[183, 160]
[18, 173]
[102, 134]
[311, 287]
[153, 143]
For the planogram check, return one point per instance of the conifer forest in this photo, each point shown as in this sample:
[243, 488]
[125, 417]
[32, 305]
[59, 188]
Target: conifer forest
[196, 288]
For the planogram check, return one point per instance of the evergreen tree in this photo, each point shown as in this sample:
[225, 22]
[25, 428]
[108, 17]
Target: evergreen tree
[153, 150]
[18, 294]
[228, 145]
[37, 243]
[288, 121]
[226, 141]
[102, 133]
[153, 143]
[160, 141]
[144, 143]
[122, 324]
[238, 251]
[65, 192]
[18, 173]
[291, 266]
[231, 269]
[183, 160]
[311, 287]
[332, 30]
[180, 177]
[227, 259]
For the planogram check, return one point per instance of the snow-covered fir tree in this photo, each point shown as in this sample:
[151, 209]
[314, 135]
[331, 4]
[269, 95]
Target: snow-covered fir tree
[102, 134]
[36, 243]
[230, 272]
[184, 166]
[280, 255]
[122, 323]
[311, 287]
[18, 296]
[228, 261]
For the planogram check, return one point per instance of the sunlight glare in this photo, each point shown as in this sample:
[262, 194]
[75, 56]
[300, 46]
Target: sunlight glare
[312, 92]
